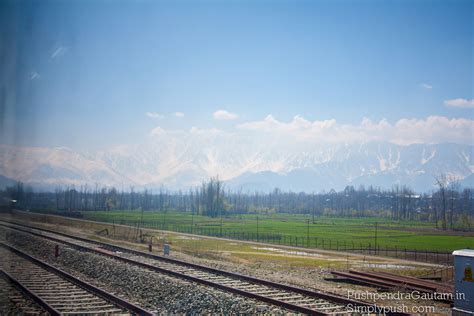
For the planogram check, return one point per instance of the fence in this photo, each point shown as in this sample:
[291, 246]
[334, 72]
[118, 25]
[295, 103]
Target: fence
[311, 242]
[369, 248]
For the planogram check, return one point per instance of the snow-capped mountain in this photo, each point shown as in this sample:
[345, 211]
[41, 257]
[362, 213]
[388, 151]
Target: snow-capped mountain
[183, 161]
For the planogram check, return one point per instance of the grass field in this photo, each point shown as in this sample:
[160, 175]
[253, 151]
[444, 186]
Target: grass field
[273, 259]
[327, 232]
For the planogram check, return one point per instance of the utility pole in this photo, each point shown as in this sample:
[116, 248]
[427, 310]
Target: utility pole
[221, 226]
[375, 238]
[192, 220]
[307, 234]
[257, 227]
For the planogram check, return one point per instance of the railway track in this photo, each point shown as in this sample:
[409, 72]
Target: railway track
[289, 297]
[397, 282]
[15, 302]
[57, 292]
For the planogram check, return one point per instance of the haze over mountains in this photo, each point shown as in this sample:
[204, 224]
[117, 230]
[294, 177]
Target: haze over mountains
[247, 163]
[156, 94]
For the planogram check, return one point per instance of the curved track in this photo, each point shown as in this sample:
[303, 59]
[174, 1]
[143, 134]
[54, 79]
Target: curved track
[289, 297]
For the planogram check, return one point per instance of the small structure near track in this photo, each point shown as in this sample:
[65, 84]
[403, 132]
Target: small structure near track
[166, 249]
[463, 282]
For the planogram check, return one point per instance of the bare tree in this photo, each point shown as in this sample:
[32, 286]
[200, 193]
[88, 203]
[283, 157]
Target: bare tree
[442, 183]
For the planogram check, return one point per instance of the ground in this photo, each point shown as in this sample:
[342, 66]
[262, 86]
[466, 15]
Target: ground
[307, 268]
[293, 229]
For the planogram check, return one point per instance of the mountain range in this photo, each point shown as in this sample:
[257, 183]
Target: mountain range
[246, 164]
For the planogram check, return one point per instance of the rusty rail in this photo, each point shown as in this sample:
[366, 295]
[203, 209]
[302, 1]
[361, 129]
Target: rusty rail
[289, 306]
[87, 286]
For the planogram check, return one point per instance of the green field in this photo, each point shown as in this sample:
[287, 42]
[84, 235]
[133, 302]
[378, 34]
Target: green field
[289, 229]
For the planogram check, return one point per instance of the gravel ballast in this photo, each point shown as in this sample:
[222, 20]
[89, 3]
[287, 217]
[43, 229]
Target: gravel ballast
[156, 292]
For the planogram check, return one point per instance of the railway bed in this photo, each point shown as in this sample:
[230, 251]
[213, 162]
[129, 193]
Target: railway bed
[289, 297]
[56, 291]
[15, 302]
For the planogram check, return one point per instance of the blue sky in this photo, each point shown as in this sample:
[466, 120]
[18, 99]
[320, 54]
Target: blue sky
[85, 73]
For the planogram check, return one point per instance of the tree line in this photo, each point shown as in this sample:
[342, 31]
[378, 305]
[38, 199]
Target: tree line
[449, 206]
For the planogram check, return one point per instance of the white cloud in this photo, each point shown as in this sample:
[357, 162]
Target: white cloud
[224, 115]
[154, 115]
[158, 115]
[433, 129]
[205, 131]
[426, 86]
[157, 131]
[406, 131]
[33, 75]
[58, 52]
[460, 103]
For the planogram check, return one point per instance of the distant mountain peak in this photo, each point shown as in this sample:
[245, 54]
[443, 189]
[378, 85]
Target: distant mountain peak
[184, 163]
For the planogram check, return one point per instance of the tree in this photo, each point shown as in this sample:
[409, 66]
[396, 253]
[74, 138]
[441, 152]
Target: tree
[453, 198]
[442, 184]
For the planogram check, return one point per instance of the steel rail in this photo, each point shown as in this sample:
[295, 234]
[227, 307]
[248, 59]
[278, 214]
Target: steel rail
[89, 287]
[310, 293]
[31, 294]
[276, 302]
[301, 309]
